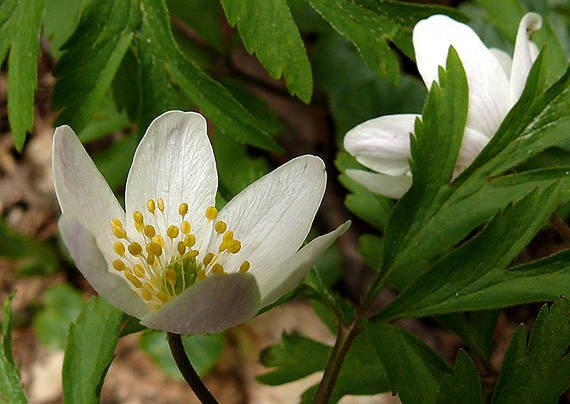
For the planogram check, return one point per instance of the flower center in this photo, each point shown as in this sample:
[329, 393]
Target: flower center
[164, 261]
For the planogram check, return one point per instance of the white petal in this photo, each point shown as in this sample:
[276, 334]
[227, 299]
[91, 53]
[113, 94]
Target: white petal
[488, 84]
[391, 186]
[274, 284]
[92, 264]
[174, 161]
[82, 191]
[382, 144]
[273, 216]
[472, 144]
[525, 54]
[504, 60]
[210, 305]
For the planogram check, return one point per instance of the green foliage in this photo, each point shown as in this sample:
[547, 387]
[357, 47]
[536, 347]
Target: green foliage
[203, 351]
[406, 358]
[89, 351]
[463, 385]
[11, 390]
[61, 306]
[267, 28]
[37, 257]
[538, 372]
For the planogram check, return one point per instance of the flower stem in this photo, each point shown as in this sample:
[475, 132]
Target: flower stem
[561, 228]
[346, 334]
[187, 370]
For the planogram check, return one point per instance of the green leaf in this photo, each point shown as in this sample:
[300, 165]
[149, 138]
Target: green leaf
[537, 372]
[203, 351]
[371, 248]
[7, 12]
[60, 20]
[440, 288]
[439, 132]
[62, 305]
[267, 28]
[506, 15]
[407, 359]
[31, 252]
[105, 121]
[85, 72]
[22, 68]
[114, 162]
[89, 351]
[463, 385]
[11, 390]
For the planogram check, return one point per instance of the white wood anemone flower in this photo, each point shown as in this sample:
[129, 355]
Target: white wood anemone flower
[172, 260]
[495, 84]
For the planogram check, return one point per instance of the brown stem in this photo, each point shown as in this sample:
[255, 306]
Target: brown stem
[187, 370]
[561, 228]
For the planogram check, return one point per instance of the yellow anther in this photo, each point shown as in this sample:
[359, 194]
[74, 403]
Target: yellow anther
[158, 240]
[138, 226]
[185, 227]
[119, 265]
[217, 269]
[211, 212]
[162, 297]
[229, 235]
[234, 246]
[154, 249]
[138, 270]
[171, 276]
[149, 231]
[138, 217]
[146, 295]
[200, 275]
[150, 259]
[119, 232]
[208, 258]
[220, 227]
[224, 245]
[183, 209]
[160, 203]
[119, 248]
[181, 247]
[244, 267]
[136, 283]
[191, 254]
[116, 223]
[189, 240]
[148, 286]
[172, 232]
[135, 248]
[151, 206]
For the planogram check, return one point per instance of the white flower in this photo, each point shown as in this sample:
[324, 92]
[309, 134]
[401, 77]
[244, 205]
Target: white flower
[172, 260]
[495, 84]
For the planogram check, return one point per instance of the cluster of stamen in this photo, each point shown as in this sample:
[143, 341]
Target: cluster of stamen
[161, 267]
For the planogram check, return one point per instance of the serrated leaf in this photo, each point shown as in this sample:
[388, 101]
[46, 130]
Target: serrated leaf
[439, 289]
[22, 68]
[538, 372]
[60, 20]
[463, 385]
[11, 390]
[61, 306]
[203, 351]
[267, 28]
[89, 351]
[406, 358]
[7, 12]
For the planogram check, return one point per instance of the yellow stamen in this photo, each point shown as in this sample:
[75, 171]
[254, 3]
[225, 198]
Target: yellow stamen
[138, 226]
[189, 240]
[151, 206]
[181, 247]
[208, 258]
[138, 217]
[185, 227]
[244, 267]
[228, 236]
[136, 283]
[191, 254]
[162, 296]
[148, 286]
[183, 209]
[119, 232]
[160, 203]
[172, 232]
[223, 246]
[150, 259]
[119, 265]
[135, 249]
[217, 269]
[138, 270]
[116, 223]
[149, 231]
[220, 227]
[158, 306]
[119, 248]
[158, 240]
[171, 276]
[200, 275]
[211, 212]
[234, 246]
[146, 294]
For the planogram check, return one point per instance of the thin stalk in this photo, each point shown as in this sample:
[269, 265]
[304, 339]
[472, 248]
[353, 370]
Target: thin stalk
[187, 370]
